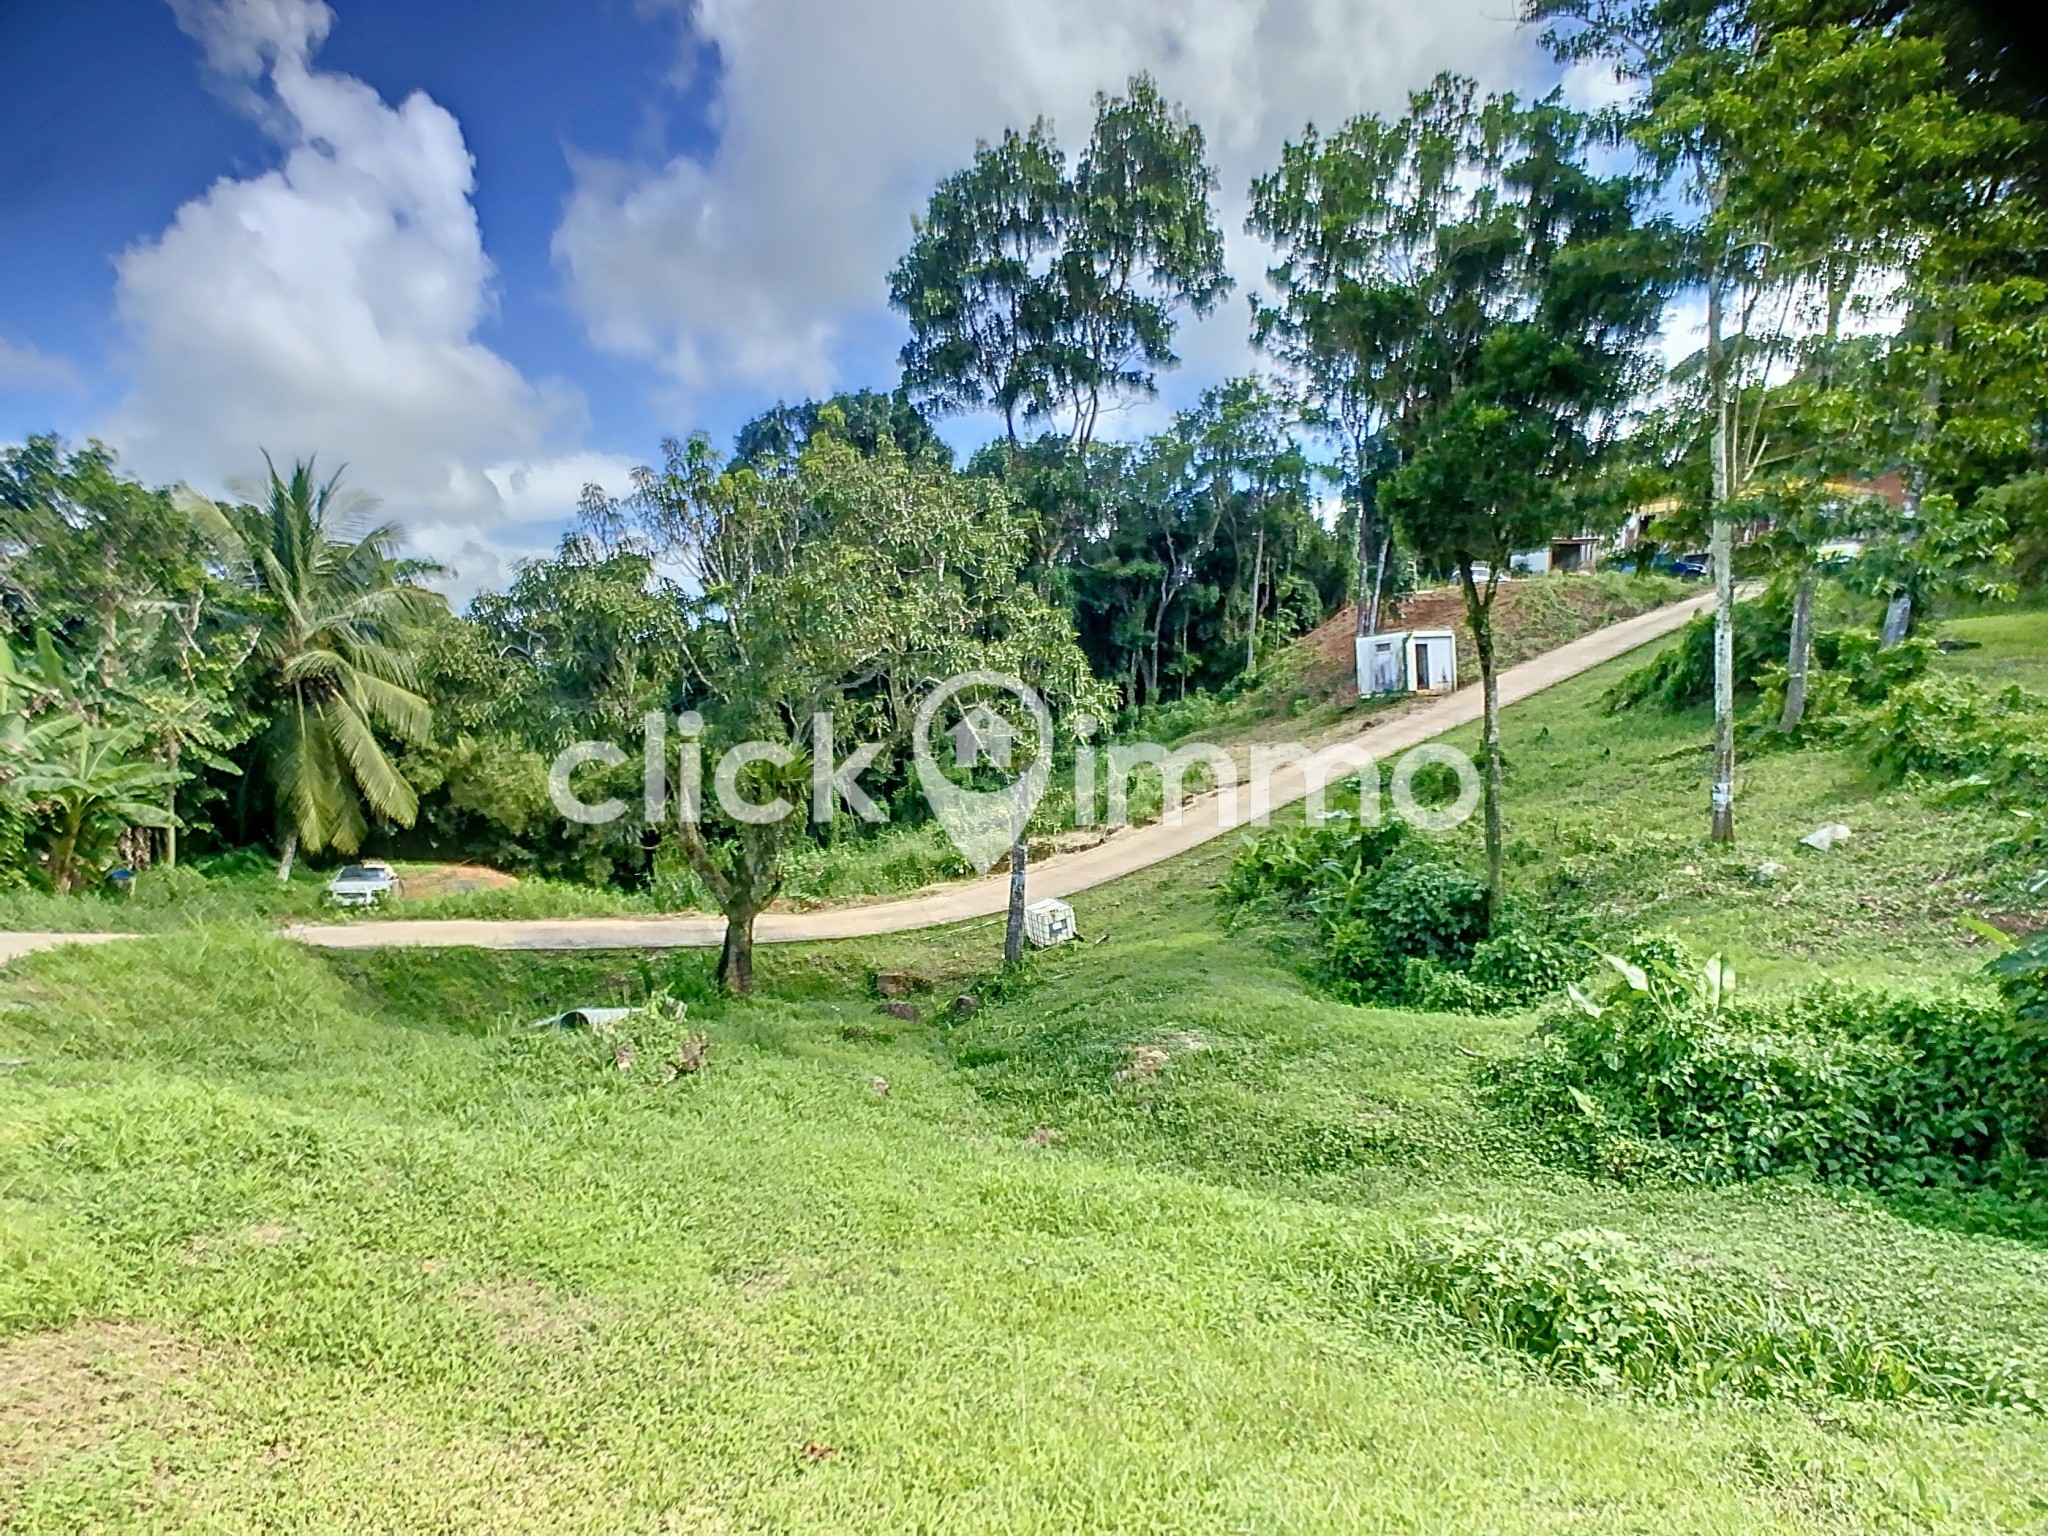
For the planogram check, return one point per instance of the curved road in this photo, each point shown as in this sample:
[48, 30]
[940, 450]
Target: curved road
[1125, 852]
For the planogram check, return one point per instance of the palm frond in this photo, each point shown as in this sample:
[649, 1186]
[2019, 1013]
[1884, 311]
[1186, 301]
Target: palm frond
[399, 708]
[378, 779]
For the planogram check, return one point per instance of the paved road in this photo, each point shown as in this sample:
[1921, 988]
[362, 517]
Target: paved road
[14, 945]
[1384, 735]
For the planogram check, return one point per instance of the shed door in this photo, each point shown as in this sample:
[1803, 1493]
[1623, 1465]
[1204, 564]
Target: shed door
[1432, 665]
[1386, 666]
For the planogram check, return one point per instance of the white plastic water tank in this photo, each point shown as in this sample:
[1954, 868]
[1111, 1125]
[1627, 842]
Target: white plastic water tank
[1050, 921]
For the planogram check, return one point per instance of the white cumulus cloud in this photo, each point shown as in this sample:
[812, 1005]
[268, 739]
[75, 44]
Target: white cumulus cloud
[764, 266]
[330, 305]
[29, 370]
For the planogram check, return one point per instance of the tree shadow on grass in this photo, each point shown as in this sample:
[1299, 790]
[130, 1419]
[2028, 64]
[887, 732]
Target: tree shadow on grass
[1974, 1212]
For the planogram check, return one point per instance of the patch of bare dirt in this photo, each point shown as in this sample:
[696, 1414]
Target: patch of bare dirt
[1531, 615]
[210, 1247]
[80, 1389]
[525, 1313]
[453, 880]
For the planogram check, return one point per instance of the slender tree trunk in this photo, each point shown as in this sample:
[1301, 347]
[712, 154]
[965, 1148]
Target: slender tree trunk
[1013, 929]
[1251, 634]
[1721, 551]
[1158, 625]
[1801, 657]
[1366, 611]
[1379, 582]
[1898, 613]
[171, 804]
[736, 958]
[284, 864]
[1479, 618]
[1898, 618]
[742, 893]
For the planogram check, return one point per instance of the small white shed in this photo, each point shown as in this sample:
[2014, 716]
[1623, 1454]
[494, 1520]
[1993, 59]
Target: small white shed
[1408, 661]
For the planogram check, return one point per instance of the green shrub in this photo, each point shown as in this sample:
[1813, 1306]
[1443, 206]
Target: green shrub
[1433, 987]
[2022, 975]
[1851, 675]
[14, 830]
[1992, 741]
[1521, 962]
[1292, 865]
[1681, 676]
[1426, 908]
[1413, 908]
[1595, 1308]
[169, 885]
[1361, 969]
[1398, 924]
[1674, 1073]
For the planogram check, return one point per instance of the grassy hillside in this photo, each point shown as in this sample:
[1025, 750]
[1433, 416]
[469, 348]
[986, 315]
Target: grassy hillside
[334, 1243]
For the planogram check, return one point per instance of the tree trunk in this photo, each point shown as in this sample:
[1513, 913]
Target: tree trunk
[1479, 618]
[1898, 613]
[1802, 652]
[1898, 619]
[1364, 557]
[1251, 634]
[1013, 930]
[736, 958]
[171, 804]
[1721, 551]
[1158, 624]
[742, 892]
[64, 856]
[1379, 582]
[284, 864]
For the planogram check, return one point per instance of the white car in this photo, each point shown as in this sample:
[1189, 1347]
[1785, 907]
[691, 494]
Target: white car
[363, 885]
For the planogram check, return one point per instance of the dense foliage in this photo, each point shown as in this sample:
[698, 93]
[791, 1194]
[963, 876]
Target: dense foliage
[1459, 310]
[1674, 1072]
[1397, 923]
[1595, 1307]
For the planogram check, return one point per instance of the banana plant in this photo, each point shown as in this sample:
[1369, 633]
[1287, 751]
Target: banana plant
[86, 779]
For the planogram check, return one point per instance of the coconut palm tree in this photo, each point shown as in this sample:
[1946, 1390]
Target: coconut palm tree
[333, 658]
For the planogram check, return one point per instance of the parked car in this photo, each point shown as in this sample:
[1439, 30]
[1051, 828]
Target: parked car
[1691, 567]
[364, 884]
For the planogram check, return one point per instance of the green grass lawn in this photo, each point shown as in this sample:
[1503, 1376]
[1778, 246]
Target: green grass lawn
[292, 1241]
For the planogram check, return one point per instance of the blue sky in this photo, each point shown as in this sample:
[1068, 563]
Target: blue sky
[485, 250]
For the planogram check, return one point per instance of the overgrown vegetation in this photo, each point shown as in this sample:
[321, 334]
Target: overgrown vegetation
[1397, 923]
[1676, 1074]
[1597, 1308]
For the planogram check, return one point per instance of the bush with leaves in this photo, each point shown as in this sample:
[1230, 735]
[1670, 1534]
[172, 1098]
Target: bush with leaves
[1973, 739]
[1398, 924]
[1673, 1073]
[1596, 1308]
[1681, 676]
[1852, 675]
[2022, 975]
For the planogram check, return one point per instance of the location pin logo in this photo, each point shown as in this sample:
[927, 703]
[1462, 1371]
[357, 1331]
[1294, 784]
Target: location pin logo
[983, 824]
